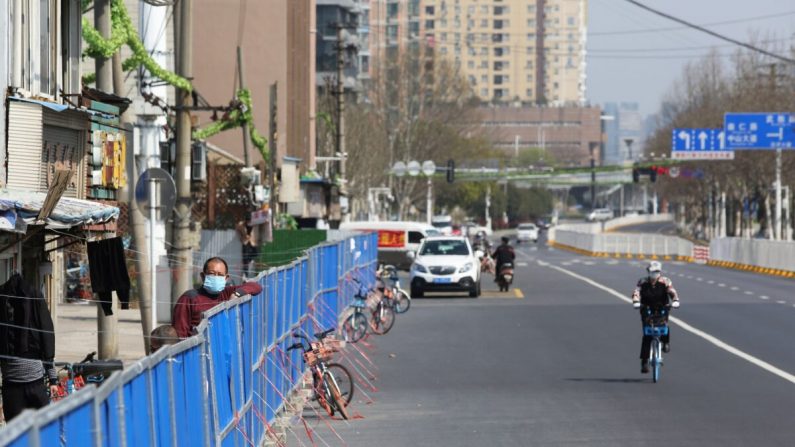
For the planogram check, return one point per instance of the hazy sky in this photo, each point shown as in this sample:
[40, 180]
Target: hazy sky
[641, 67]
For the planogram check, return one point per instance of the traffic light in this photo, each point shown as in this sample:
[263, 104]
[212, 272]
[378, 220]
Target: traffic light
[653, 174]
[450, 171]
[635, 176]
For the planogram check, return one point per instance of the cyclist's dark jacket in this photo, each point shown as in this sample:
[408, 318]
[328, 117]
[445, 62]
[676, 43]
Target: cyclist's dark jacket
[504, 253]
[190, 306]
[654, 295]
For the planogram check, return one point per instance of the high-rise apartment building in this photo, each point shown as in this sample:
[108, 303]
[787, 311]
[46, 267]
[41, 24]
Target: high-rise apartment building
[532, 51]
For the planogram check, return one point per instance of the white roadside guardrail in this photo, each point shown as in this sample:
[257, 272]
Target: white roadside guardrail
[756, 255]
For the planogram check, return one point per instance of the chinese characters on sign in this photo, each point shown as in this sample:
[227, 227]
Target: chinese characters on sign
[391, 239]
[699, 144]
[760, 130]
[108, 156]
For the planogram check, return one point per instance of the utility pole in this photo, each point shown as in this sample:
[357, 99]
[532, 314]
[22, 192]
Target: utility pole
[107, 331]
[242, 86]
[340, 137]
[181, 244]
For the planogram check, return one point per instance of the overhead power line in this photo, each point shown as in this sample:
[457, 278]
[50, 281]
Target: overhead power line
[712, 33]
[675, 28]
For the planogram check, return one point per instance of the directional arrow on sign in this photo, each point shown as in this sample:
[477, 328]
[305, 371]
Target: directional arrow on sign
[702, 136]
[685, 136]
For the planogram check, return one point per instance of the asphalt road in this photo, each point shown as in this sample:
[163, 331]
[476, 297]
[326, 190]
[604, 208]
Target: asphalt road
[560, 366]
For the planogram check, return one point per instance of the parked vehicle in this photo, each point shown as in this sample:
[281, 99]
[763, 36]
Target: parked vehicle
[445, 263]
[526, 232]
[599, 214]
[395, 239]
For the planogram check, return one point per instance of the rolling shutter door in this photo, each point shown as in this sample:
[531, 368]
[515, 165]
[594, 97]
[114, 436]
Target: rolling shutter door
[24, 145]
[64, 146]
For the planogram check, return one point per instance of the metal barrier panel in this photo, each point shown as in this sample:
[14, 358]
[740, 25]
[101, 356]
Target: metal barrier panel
[189, 397]
[138, 414]
[223, 386]
[162, 403]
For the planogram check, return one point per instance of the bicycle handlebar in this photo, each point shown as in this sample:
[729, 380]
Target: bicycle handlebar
[97, 367]
[324, 334]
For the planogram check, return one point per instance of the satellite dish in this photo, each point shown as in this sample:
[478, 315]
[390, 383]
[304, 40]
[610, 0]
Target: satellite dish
[414, 168]
[428, 168]
[399, 169]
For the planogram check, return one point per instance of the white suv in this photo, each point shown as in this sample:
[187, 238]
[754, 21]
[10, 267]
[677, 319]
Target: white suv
[445, 263]
[526, 232]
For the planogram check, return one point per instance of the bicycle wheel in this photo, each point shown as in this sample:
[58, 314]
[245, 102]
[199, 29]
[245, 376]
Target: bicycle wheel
[383, 319]
[336, 396]
[344, 380]
[403, 301]
[355, 327]
[655, 360]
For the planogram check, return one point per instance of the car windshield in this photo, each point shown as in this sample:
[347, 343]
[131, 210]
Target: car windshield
[527, 227]
[441, 224]
[445, 247]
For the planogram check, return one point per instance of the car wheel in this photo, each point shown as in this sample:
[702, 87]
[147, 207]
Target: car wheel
[416, 292]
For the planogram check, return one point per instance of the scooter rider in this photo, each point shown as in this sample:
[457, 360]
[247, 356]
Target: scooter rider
[654, 291]
[502, 255]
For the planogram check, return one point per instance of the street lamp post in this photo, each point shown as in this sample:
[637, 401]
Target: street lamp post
[413, 168]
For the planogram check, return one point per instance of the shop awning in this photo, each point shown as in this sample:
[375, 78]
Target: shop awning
[68, 212]
[57, 107]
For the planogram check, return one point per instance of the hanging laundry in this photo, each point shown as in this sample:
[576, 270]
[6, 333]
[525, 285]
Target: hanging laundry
[108, 271]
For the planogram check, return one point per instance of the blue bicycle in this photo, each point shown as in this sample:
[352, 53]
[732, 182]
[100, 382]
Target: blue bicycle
[656, 326]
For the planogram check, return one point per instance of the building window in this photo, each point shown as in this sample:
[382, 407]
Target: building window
[392, 32]
[530, 50]
[414, 8]
[472, 80]
[444, 23]
[529, 78]
[484, 79]
[484, 64]
[470, 24]
[496, 37]
[555, 85]
[484, 9]
[392, 10]
[531, 9]
[484, 51]
[443, 37]
[414, 29]
[457, 37]
[497, 80]
[529, 93]
[365, 64]
[498, 93]
[484, 23]
[499, 10]
[471, 51]
[443, 50]
[471, 9]
[531, 23]
[498, 24]
[484, 92]
[471, 65]
[499, 65]
[571, 21]
[429, 10]
[429, 24]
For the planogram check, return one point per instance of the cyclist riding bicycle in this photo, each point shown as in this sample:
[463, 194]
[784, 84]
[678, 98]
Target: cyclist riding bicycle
[653, 292]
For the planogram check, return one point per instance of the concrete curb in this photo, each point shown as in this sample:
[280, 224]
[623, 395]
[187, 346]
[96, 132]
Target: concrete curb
[752, 268]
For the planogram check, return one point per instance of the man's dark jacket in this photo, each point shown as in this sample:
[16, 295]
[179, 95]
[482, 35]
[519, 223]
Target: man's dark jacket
[26, 330]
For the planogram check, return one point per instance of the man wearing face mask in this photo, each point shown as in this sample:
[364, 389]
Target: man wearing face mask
[654, 292]
[190, 306]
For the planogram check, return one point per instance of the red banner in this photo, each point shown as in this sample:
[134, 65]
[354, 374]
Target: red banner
[391, 239]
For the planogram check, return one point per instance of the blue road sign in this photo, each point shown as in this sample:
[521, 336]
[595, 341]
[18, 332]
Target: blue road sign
[699, 144]
[759, 130]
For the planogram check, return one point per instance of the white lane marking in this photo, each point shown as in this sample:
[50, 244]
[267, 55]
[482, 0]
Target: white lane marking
[710, 282]
[687, 327]
[764, 297]
[611, 262]
[689, 276]
[534, 249]
[566, 263]
[588, 263]
[735, 288]
[748, 292]
[781, 302]
[721, 285]
[521, 264]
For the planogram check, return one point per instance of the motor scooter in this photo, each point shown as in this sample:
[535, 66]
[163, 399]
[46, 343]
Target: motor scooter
[505, 276]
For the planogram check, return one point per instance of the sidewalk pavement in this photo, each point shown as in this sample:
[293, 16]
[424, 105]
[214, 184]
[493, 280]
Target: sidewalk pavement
[76, 333]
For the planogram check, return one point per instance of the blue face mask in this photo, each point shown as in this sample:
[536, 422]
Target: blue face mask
[214, 284]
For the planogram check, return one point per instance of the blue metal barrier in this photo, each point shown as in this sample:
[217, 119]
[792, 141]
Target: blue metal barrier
[221, 387]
